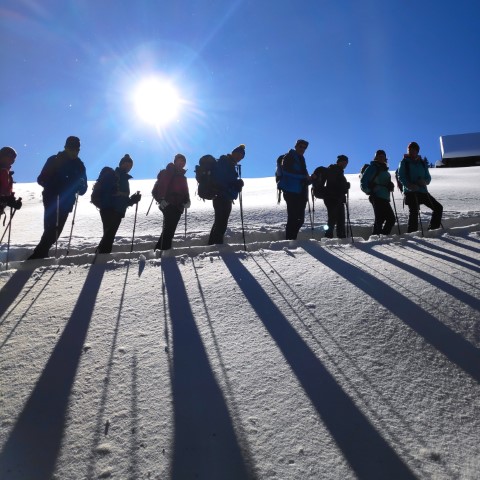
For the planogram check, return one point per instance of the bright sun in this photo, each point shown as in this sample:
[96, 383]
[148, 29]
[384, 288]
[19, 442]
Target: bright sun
[156, 101]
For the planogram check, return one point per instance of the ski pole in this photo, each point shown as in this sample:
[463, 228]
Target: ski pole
[134, 223]
[419, 215]
[310, 213]
[239, 168]
[349, 224]
[313, 206]
[148, 211]
[73, 223]
[9, 233]
[186, 210]
[56, 224]
[396, 216]
[9, 222]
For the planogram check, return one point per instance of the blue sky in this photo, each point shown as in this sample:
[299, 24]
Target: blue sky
[350, 76]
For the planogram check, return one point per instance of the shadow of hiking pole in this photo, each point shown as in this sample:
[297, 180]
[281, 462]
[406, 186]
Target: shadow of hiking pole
[205, 444]
[12, 289]
[367, 452]
[33, 446]
[445, 340]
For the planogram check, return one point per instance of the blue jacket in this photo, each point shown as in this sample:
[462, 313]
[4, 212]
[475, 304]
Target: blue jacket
[414, 174]
[225, 178]
[65, 177]
[294, 176]
[376, 180]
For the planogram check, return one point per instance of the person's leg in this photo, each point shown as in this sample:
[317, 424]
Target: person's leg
[411, 201]
[331, 217]
[378, 222]
[223, 208]
[341, 220]
[295, 214]
[171, 217]
[437, 211]
[111, 221]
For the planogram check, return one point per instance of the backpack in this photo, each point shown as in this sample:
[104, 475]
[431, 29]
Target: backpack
[107, 174]
[372, 181]
[203, 174]
[318, 185]
[156, 187]
[279, 170]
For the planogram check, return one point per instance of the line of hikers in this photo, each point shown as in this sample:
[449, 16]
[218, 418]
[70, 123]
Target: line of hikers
[63, 179]
[329, 183]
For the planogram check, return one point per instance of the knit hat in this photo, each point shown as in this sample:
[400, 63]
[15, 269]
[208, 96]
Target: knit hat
[239, 149]
[7, 152]
[125, 159]
[342, 158]
[73, 143]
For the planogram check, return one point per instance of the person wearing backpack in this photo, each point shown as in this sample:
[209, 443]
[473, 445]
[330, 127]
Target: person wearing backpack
[414, 176]
[227, 187]
[334, 196]
[62, 177]
[171, 192]
[7, 197]
[114, 200]
[294, 183]
[377, 183]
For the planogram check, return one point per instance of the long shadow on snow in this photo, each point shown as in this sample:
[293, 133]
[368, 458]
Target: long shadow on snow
[369, 455]
[205, 444]
[12, 288]
[468, 259]
[451, 344]
[33, 445]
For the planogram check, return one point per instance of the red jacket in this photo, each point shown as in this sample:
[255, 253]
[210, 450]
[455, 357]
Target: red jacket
[6, 182]
[172, 186]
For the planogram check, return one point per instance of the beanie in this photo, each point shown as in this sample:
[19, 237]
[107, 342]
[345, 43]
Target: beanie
[239, 149]
[300, 141]
[414, 145]
[125, 159]
[342, 158]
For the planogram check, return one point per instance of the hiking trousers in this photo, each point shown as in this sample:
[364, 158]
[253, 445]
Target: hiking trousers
[171, 217]
[296, 204]
[111, 220]
[222, 207]
[413, 200]
[336, 217]
[384, 216]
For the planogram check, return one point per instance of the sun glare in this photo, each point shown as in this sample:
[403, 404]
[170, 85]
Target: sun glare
[156, 102]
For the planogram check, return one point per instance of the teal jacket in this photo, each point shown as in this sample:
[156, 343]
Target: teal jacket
[413, 174]
[376, 180]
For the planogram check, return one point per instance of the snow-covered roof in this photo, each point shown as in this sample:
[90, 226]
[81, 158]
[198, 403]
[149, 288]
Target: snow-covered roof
[462, 145]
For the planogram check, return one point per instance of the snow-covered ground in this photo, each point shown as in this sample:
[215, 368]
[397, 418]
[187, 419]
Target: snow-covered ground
[314, 359]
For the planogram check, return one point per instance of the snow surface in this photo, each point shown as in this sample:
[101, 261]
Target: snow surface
[313, 359]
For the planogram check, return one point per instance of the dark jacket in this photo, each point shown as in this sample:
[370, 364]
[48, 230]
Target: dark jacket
[173, 186]
[121, 198]
[294, 177]
[336, 185]
[225, 178]
[63, 176]
[376, 180]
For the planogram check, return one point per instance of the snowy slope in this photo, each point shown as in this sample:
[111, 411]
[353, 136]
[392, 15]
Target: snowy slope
[309, 359]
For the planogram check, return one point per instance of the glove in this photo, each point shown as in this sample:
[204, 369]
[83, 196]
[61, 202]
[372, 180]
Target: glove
[240, 184]
[135, 198]
[14, 203]
[82, 186]
[348, 185]
[187, 204]
[163, 204]
[421, 182]
[412, 187]
[391, 187]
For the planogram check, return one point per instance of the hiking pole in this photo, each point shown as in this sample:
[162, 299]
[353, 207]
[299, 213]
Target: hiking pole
[73, 223]
[310, 213]
[56, 224]
[186, 223]
[313, 206]
[419, 215]
[134, 222]
[9, 233]
[396, 216]
[239, 168]
[9, 222]
[349, 224]
[148, 211]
